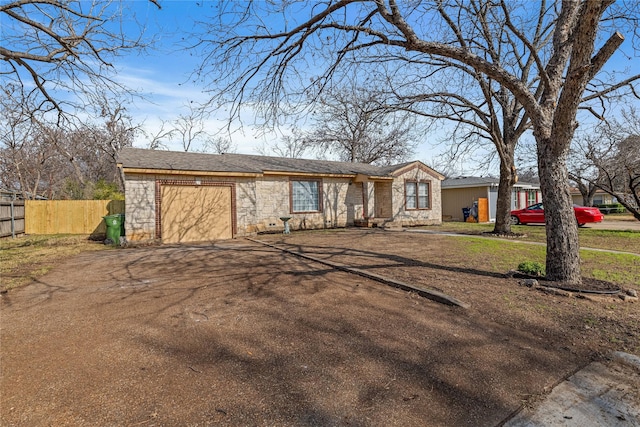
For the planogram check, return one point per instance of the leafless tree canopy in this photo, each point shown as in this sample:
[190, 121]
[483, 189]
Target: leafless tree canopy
[219, 145]
[290, 146]
[352, 124]
[582, 172]
[39, 158]
[610, 160]
[274, 52]
[49, 47]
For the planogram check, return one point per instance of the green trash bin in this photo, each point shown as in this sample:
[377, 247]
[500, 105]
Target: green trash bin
[115, 227]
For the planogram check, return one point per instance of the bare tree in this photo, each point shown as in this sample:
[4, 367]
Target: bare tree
[106, 141]
[483, 111]
[582, 172]
[156, 141]
[43, 158]
[270, 60]
[52, 46]
[219, 145]
[190, 129]
[292, 146]
[29, 163]
[614, 153]
[351, 123]
[22, 157]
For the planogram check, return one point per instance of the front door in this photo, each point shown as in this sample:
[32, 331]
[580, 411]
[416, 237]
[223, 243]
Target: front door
[382, 195]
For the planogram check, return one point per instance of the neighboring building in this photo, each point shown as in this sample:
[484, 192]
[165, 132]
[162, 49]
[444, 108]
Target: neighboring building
[599, 198]
[462, 192]
[184, 197]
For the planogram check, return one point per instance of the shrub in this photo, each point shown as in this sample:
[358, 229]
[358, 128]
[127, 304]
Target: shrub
[531, 267]
[611, 208]
[107, 191]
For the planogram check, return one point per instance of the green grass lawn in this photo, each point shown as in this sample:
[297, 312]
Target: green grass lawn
[503, 255]
[626, 241]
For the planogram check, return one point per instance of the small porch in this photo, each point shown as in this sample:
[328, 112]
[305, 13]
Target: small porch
[378, 204]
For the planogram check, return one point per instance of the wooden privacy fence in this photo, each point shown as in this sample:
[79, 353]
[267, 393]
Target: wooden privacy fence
[69, 216]
[11, 217]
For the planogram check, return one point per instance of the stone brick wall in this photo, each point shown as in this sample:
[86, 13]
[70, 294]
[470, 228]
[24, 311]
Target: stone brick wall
[341, 204]
[421, 216]
[271, 203]
[260, 202]
[140, 209]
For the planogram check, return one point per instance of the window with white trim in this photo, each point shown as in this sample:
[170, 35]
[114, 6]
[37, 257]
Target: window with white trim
[305, 196]
[417, 195]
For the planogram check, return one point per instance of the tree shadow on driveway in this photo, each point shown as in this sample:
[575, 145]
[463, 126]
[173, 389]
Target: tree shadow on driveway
[240, 334]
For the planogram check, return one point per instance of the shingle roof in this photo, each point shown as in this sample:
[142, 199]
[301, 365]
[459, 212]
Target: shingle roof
[469, 181]
[475, 181]
[137, 158]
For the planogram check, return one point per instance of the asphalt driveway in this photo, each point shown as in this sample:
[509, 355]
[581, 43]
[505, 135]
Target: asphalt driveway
[239, 334]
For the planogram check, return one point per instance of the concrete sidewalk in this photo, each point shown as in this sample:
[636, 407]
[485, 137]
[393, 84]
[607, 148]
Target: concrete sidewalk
[455, 234]
[602, 394]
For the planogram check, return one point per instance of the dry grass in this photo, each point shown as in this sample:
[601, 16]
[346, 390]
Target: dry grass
[28, 257]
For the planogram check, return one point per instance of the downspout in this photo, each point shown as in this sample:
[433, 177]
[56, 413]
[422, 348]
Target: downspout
[365, 200]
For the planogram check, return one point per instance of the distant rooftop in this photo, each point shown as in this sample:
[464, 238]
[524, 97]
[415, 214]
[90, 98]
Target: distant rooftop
[475, 181]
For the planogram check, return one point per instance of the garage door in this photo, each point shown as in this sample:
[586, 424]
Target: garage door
[195, 213]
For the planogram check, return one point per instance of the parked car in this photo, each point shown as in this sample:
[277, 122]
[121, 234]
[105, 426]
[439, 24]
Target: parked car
[534, 214]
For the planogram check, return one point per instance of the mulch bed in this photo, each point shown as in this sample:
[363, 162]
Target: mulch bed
[588, 285]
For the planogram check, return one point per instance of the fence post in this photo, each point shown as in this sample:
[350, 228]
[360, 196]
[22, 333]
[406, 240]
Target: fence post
[13, 219]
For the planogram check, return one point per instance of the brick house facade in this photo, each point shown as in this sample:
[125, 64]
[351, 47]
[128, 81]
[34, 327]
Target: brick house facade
[180, 197]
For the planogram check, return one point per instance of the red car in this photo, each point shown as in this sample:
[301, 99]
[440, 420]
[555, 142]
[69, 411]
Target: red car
[534, 214]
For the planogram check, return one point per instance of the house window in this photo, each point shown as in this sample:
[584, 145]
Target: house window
[305, 196]
[531, 197]
[417, 195]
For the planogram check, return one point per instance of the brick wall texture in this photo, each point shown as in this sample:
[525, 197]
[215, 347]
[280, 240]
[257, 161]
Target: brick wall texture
[261, 201]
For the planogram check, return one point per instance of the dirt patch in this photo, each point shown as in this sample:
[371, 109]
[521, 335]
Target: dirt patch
[240, 334]
[28, 257]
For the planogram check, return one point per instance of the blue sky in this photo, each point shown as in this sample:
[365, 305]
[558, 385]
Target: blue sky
[162, 74]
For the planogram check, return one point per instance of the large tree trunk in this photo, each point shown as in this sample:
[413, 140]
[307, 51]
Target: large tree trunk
[503, 207]
[563, 255]
[587, 191]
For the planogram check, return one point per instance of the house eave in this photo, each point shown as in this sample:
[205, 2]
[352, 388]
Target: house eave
[421, 166]
[145, 171]
[356, 177]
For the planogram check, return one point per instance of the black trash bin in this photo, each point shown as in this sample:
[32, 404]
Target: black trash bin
[465, 214]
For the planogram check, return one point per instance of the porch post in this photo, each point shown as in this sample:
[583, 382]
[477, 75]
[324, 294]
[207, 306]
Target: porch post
[368, 199]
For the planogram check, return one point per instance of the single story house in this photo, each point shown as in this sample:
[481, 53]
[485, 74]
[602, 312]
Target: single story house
[599, 198]
[462, 192]
[188, 197]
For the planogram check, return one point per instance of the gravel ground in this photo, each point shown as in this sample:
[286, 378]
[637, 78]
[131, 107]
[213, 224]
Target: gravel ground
[238, 334]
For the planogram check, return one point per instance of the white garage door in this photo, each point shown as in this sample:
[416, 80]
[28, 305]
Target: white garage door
[195, 213]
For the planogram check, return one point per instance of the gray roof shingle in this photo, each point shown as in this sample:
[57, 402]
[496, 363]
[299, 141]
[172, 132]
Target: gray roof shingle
[137, 158]
[475, 181]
